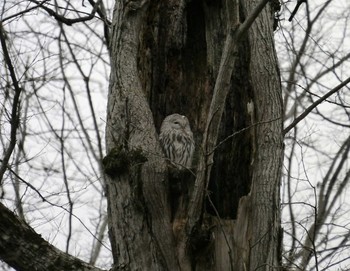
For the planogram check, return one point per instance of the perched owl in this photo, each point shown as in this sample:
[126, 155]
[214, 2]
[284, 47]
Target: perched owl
[177, 141]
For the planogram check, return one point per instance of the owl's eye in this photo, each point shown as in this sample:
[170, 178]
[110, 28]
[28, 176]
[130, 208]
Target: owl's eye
[176, 122]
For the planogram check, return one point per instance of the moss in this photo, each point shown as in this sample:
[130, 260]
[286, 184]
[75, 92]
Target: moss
[137, 157]
[118, 161]
[115, 162]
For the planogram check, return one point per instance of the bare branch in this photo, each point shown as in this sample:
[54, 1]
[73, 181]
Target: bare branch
[96, 249]
[22, 248]
[24, 11]
[65, 20]
[314, 105]
[15, 105]
[299, 2]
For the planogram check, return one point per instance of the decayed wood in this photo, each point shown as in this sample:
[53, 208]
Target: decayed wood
[222, 86]
[221, 89]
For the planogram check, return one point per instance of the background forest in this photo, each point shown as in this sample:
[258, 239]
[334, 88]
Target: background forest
[53, 118]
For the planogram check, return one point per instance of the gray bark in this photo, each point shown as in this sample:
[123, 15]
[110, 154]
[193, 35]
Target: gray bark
[139, 218]
[269, 141]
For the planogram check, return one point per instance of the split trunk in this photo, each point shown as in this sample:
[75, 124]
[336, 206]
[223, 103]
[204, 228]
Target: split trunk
[166, 57]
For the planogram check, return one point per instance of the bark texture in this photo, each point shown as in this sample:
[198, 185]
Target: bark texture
[139, 213]
[266, 172]
[166, 58]
[23, 249]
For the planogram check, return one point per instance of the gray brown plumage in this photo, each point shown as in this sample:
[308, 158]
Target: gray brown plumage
[177, 141]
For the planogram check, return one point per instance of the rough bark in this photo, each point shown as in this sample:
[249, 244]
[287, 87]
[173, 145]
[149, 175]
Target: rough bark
[139, 217]
[267, 164]
[25, 250]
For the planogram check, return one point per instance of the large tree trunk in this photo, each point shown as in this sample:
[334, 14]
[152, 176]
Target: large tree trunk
[169, 57]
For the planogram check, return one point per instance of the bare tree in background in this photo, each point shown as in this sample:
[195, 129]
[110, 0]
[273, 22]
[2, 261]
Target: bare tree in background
[54, 75]
[314, 57]
[213, 61]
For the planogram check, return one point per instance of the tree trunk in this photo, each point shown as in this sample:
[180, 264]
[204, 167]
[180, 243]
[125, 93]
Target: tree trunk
[166, 57]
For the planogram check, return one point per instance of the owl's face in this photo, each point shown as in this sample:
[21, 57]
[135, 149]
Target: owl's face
[176, 122]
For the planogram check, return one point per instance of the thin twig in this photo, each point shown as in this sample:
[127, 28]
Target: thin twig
[68, 21]
[24, 11]
[56, 205]
[241, 131]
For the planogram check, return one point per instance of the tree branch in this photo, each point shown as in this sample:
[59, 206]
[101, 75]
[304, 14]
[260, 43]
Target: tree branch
[68, 21]
[24, 11]
[23, 249]
[14, 118]
[243, 28]
[314, 105]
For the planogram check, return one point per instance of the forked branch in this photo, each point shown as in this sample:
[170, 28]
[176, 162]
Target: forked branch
[314, 105]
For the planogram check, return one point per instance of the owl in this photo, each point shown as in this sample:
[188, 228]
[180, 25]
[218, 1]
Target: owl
[177, 141]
